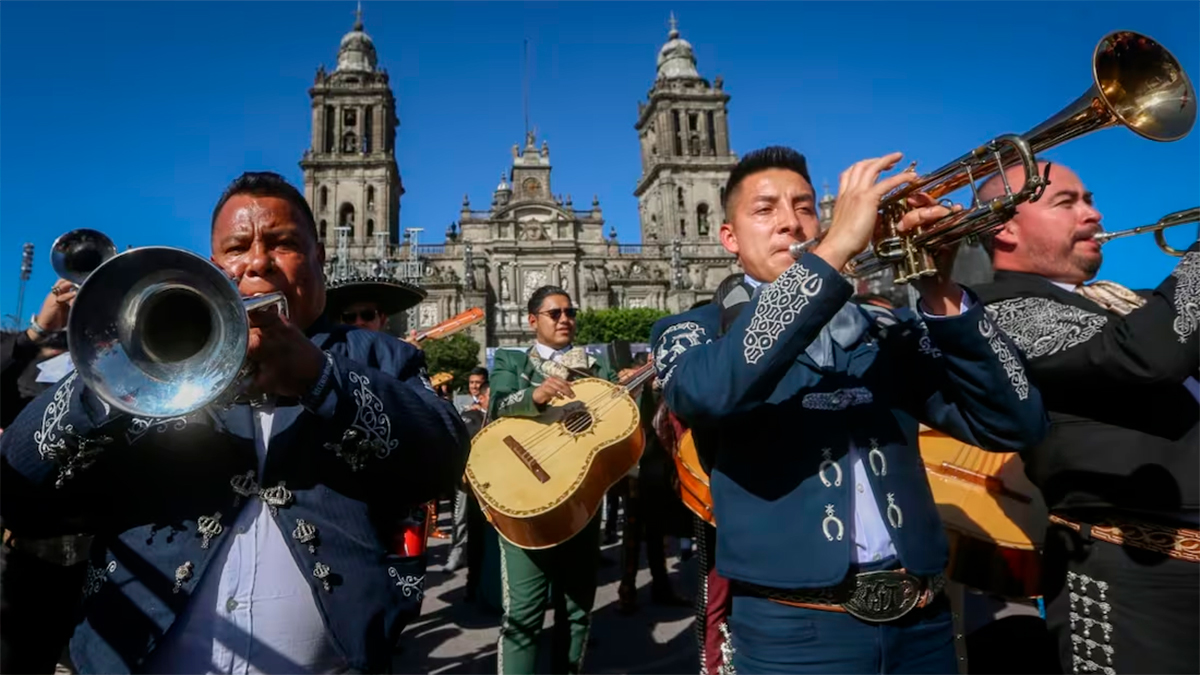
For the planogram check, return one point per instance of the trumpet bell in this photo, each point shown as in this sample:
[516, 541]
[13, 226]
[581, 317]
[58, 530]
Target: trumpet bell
[1144, 86]
[158, 332]
[78, 253]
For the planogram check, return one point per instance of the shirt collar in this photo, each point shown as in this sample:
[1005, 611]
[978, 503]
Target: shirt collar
[1070, 288]
[751, 281]
[550, 353]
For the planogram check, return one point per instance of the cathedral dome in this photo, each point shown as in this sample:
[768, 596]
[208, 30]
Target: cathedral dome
[357, 51]
[676, 59]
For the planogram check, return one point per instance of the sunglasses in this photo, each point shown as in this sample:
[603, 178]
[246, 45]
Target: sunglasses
[366, 314]
[556, 313]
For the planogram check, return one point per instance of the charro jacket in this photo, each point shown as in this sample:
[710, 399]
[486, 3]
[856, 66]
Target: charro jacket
[777, 427]
[369, 441]
[1125, 430]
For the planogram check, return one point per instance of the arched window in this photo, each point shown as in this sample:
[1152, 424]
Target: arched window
[679, 197]
[370, 227]
[323, 202]
[323, 230]
[370, 197]
[702, 219]
[349, 142]
[346, 217]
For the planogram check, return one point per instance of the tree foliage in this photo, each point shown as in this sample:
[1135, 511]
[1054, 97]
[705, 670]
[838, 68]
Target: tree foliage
[456, 355]
[605, 325]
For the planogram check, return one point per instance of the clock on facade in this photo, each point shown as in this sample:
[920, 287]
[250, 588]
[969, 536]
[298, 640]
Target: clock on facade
[531, 186]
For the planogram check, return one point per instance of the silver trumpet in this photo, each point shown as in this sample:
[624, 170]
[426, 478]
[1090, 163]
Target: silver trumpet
[162, 332]
[1170, 220]
[78, 253]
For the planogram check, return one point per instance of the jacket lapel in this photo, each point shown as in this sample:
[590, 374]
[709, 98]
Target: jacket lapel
[237, 420]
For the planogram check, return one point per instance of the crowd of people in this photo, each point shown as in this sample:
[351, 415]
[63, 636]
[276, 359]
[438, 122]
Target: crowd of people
[286, 533]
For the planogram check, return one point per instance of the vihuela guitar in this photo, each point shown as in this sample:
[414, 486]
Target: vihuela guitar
[540, 479]
[995, 518]
[694, 488]
[452, 325]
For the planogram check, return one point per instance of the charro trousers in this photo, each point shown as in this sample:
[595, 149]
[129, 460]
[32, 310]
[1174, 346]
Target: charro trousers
[564, 574]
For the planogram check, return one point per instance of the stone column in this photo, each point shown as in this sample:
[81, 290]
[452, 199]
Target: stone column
[318, 130]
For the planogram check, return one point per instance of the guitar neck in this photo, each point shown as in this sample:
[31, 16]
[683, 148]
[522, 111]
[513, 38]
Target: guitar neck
[639, 377]
[452, 325]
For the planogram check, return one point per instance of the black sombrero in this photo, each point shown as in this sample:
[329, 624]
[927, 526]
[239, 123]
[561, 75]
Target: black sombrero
[392, 295]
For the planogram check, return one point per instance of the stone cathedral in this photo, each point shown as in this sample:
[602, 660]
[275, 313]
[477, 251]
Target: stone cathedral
[496, 254]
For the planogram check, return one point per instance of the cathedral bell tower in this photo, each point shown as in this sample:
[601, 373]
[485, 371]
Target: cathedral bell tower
[351, 179]
[684, 134]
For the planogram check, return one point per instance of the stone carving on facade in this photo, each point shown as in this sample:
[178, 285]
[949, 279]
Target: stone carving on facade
[429, 314]
[505, 296]
[533, 231]
[534, 279]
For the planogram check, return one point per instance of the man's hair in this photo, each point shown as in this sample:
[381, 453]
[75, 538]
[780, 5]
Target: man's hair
[479, 370]
[539, 296]
[268, 184]
[772, 157]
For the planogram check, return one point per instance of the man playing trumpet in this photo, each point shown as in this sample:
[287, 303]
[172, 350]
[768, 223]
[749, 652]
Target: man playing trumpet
[244, 537]
[806, 408]
[1120, 470]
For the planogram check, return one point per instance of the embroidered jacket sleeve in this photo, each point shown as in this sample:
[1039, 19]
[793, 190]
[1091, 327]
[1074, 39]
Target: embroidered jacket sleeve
[1154, 345]
[45, 454]
[511, 388]
[386, 419]
[963, 375]
[705, 379]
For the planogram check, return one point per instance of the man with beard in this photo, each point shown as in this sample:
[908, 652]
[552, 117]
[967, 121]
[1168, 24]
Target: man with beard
[1119, 471]
[245, 537]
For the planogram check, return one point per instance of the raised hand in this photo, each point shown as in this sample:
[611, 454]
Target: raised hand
[286, 362]
[857, 209]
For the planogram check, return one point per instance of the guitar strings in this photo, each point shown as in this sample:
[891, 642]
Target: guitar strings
[595, 408]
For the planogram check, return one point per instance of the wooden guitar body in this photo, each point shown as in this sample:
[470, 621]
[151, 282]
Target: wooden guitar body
[995, 518]
[540, 479]
[694, 488]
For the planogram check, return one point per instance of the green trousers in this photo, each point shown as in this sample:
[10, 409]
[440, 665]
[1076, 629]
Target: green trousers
[564, 575]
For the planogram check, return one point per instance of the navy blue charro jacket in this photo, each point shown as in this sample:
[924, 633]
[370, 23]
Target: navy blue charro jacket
[370, 441]
[777, 427]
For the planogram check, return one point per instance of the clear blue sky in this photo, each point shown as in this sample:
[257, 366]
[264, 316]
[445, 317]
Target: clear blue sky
[131, 117]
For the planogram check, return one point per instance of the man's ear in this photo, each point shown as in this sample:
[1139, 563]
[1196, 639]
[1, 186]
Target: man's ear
[1007, 235]
[728, 238]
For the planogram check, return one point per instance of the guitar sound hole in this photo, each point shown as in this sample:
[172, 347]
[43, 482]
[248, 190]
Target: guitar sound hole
[577, 421]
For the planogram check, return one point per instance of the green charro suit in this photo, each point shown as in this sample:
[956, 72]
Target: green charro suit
[565, 573]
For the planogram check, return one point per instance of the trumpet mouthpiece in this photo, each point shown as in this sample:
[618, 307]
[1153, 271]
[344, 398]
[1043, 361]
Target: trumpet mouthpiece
[801, 247]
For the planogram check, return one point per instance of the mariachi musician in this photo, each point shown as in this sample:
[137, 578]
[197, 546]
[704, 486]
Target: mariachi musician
[245, 533]
[1120, 470]
[808, 407]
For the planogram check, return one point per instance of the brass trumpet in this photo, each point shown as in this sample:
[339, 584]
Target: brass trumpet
[162, 332]
[1170, 220]
[1137, 83]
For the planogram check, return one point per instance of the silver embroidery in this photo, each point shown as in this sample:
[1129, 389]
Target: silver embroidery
[778, 306]
[95, 577]
[1012, 364]
[1085, 646]
[837, 400]
[727, 650]
[877, 455]
[925, 345]
[828, 463]
[49, 443]
[370, 418]
[829, 520]
[674, 341]
[409, 583]
[1041, 327]
[139, 426]
[1187, 296]
[894, 516]
[513, 398]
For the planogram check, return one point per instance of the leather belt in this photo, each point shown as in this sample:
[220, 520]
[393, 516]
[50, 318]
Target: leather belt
[877, 597]
[1175, 542]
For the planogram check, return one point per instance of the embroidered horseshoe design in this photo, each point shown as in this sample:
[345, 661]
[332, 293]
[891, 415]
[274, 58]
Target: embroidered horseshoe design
[831, 519]
[827, 453]
[894, 516]
[877, 455]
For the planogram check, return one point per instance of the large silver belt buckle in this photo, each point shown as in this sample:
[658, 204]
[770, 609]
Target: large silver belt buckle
[883, 596]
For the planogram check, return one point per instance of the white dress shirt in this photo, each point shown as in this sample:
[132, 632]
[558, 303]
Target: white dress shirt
[253, 611]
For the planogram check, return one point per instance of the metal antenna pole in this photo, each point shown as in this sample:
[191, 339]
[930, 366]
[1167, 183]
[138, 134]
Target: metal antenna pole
[525, 87]
[26, 271]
